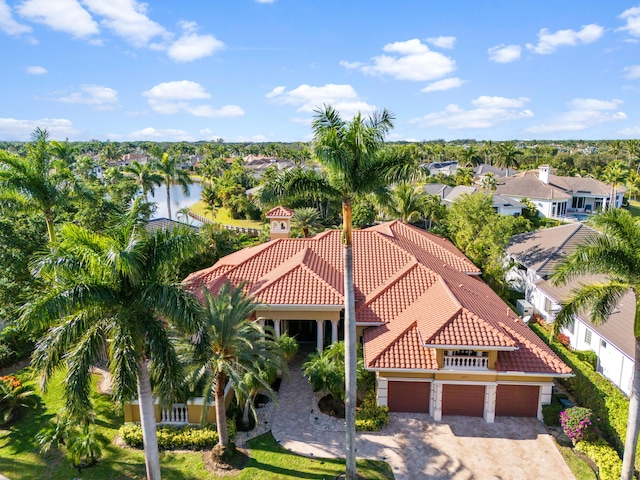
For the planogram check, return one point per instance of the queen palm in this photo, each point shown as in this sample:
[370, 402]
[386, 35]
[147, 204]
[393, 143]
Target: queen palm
[167, 166]
[407, 202]
[231, 346]
[145, 178]
[33, 183]
[615, 258]
[111, 294]
[306, 218]
[615, 173]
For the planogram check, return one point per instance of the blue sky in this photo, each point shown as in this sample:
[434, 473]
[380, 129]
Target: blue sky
[249, 70]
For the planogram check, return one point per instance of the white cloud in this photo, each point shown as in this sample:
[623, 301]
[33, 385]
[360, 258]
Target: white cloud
[209, 135]
[505, 53]
[15, 129]
[307, 98]
[549, 42]
[442, 42]
[151, 133]
[632, 17]
[191, 46]
[583, 113]
[632, 72]
[410, 60]
[178, 96]
[629, 132]
[253, 138]
[489, 112]
[8, 24]
[350, 65]
[127, 19]
[101, 98]
[444, 84]
[61, 15]
[36, 70]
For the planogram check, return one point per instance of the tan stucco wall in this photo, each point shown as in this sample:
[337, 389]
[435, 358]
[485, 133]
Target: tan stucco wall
[273, 314]
[493, 358]
[391, 375]
[466, 377]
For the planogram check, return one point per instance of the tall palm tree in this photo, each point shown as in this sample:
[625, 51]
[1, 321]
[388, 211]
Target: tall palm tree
[170, 170]
[615, 173]
[615, 257]
[488, 151]
[508, 155]
[351, 151]
[306, 218]
[407, 202]
[36, 182]
[230, 346]
[111, 294]
[144, 176]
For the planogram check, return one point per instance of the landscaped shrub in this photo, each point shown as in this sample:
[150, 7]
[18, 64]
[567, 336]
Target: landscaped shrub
[7, 355]
[592, 390]
[551, 413]
[588, 356]
[14, 397]
[370, 417]
[189, 437]
[576, 423]
[605, 457]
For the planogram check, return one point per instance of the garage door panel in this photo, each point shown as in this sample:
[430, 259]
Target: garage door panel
[467, 400]
[517, 400]
[408, 397]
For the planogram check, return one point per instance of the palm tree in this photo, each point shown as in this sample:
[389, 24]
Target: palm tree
[35, 183]
[615, 173]
[615, 257]
[488, 151]
[508, 155]
[351, 153]
[170, 170]
[489, 181]
[111, 295]
[230, 346]
[407, 202]
[145, 178]
[306, 218]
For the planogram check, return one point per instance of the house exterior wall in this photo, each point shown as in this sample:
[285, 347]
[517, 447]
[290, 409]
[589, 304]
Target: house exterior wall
[509, 210]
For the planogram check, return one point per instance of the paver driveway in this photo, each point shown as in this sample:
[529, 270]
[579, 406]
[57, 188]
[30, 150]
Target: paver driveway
[416, 447]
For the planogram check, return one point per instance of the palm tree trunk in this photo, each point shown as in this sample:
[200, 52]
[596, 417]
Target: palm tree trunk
[221, 411]
[633, 421]
[169, 198]
[245, 413]
[148, 422]
[48, 218]
[349, 346]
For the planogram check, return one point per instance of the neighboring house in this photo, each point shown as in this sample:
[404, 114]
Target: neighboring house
[483, 169]
[559, 197]
[438, 338]
[501, 204]
[446, 168]
[536, 255]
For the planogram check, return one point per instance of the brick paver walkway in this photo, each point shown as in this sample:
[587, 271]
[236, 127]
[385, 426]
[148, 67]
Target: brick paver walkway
[416, 447]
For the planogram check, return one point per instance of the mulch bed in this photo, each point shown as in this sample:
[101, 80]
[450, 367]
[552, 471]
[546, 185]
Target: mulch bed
[237, 463]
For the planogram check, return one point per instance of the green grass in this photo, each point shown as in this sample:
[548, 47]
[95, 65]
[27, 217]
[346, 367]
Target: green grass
[578, 467]
[20, 457]
[634, 208]
[223, 216]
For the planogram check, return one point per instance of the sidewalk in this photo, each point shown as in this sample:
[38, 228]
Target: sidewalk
[417, 447]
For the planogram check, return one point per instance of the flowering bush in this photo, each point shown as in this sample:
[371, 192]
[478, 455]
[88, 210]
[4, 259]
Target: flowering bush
[576, 423]
[12, 381]
[563, 339]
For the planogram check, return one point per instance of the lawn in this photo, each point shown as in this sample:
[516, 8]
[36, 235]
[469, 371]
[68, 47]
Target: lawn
[634, 208]
[20, 457]
[223, 216]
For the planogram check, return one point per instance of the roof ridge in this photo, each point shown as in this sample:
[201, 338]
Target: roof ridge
[396, 339]
[290, 264]
[395, 278]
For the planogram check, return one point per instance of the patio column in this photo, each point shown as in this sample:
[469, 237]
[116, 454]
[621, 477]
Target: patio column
[435, 409]
[276, 328]
[334, 331]
[320, 336]
[490, 403]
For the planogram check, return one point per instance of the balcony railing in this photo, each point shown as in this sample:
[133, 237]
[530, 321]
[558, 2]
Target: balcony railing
[469, 362]
[176, 414]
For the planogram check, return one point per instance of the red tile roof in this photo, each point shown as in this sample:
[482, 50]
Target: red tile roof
[279, 212]
[418, 288]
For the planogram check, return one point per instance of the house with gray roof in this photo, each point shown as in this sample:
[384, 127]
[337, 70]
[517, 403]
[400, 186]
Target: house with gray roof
[501, 204]
[535, 256]
[560, 197]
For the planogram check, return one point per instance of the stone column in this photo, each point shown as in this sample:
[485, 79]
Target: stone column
[490, 403]
[382, 392]
[334, 331]
[435, 409]
[320, 336]
[276, 328]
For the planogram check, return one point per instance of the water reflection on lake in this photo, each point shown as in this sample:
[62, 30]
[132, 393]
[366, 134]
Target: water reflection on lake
[178, 199]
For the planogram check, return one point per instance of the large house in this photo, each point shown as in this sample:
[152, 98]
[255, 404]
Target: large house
[501, 204]
[560, 197]
[535, 256]
[438, 338]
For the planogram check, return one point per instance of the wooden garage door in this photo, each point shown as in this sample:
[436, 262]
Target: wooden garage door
[409, 397]
[467, 400]
[517, 400]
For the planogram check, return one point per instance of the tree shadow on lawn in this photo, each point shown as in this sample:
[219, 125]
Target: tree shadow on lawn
[22, 431]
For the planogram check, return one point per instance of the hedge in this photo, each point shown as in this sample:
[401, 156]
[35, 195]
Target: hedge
[590, 389]
[189, 437]
[370, 417]
[606, 458]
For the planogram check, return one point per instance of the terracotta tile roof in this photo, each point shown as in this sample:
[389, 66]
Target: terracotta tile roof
[415, 284]
[279, 212]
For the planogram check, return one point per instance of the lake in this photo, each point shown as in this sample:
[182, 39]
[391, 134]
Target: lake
[178, 199]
